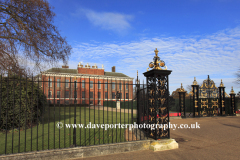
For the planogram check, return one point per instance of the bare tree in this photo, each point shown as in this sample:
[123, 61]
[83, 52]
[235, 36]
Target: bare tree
[189, 88]
[27, 31]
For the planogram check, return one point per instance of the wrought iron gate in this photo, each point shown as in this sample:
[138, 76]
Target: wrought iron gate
[206, 100]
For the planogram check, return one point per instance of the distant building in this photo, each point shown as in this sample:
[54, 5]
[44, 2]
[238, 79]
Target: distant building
[93, 85]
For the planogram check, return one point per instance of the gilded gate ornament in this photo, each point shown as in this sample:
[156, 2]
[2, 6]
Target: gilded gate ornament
[194, 82]
[232, 91]
[157, 63]
[181, 89]
[221, 84]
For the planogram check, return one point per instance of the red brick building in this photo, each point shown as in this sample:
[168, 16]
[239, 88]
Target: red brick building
[85, 85]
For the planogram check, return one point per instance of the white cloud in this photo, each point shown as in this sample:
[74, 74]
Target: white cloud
[108, 20]
[217, 55]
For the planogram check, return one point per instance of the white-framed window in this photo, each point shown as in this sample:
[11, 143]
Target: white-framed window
[106, 95]
[67, 83]
[91, 94]
[126, 86]
[83, 84]
[127, 96]
[50, 82]
[99, 95]
[99, 85]
[91, 84]
[83, 94]
[120, 86]
[66, 94]
[106, 85]
[113, 85]
[58, 82]
[58, 94]
[113, 95]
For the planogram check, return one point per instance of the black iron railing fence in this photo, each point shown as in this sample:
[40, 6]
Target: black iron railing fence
[33, 110]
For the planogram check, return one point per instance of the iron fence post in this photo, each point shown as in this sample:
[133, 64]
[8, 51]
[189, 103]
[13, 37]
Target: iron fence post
[75, 110]
[233, 104]
[182, 107]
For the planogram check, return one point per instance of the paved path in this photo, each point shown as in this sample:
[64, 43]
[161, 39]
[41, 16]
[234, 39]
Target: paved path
[217, 138]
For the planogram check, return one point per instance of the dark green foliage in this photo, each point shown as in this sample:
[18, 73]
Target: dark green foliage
[21, 103]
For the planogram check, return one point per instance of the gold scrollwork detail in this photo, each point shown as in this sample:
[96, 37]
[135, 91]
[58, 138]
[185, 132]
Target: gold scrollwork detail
[204, 103]
[162, 82]
[196, 103]
[151, 91]
[162, 108]
[162, 100]
[215, 103]
[162, 91]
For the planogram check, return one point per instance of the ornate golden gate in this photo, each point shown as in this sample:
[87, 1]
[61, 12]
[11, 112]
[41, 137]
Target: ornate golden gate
[209, 100]
[205, 100]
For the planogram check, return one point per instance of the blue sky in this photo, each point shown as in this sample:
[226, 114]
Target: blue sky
[195, 38]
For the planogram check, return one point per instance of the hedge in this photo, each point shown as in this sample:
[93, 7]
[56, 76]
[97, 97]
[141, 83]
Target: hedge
[21, 103]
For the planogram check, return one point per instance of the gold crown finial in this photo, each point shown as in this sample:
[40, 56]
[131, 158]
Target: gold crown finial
[156, 52]
[137, 72]
[157, 63]
[181, 89]
[232, 91]
[194, 82]
[221, 84]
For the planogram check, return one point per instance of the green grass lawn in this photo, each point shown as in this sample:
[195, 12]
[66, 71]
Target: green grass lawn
[50, 137]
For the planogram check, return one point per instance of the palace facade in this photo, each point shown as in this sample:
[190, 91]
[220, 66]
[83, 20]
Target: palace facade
[85, 85]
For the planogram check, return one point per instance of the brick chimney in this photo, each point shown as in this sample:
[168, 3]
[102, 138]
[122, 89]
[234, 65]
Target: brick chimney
[113, 69]
[65, 66]
[88, 70]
